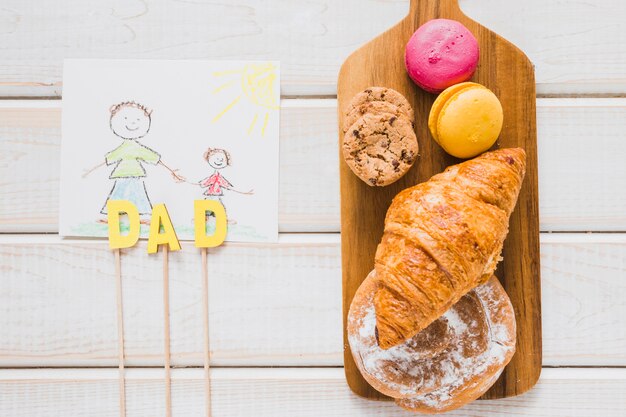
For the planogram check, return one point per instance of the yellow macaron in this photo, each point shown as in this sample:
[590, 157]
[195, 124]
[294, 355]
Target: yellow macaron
[466, 119]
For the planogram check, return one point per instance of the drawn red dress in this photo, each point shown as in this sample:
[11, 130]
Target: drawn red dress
[214, 185]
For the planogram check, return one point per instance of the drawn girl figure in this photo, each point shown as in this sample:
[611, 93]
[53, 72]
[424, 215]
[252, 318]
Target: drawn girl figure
[131, 121]
[215, 184]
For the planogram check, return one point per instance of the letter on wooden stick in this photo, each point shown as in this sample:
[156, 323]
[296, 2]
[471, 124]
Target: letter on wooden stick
[201, 207]
[114, 209]
[161, 219]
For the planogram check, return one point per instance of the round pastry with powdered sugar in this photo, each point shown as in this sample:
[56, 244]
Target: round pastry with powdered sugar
[450, 363]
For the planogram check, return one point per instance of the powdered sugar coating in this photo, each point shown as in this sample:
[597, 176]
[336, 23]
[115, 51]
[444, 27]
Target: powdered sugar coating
[457, 357]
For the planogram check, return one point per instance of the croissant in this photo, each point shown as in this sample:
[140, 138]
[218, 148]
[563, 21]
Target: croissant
[441, 239]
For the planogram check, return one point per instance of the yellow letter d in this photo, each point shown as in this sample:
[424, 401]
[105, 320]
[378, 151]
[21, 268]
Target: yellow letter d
[200, 208]
[116, 239]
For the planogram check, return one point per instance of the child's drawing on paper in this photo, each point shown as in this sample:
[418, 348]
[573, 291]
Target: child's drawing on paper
[214, 134]
[215, 184]
[131, 121]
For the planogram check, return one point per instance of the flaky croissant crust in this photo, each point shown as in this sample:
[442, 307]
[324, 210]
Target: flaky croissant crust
[442, 238]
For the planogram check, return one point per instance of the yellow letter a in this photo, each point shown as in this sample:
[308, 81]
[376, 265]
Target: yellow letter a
[155, 238]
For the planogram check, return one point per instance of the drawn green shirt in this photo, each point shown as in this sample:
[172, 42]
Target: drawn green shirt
[128, 157]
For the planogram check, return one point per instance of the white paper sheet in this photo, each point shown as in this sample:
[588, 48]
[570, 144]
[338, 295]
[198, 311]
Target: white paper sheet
[179, 113]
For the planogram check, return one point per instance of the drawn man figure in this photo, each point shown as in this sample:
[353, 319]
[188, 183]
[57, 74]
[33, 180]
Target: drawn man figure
[215, 184]
[131, 121]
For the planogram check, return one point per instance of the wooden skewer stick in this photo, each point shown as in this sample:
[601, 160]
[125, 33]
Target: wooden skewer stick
[120, 332]
[166, 336]
[205, 315]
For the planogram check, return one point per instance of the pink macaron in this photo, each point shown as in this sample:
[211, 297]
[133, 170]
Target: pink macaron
[441, 53]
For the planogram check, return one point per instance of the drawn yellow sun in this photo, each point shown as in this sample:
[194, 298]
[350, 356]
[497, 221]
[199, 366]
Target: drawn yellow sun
[257, 83]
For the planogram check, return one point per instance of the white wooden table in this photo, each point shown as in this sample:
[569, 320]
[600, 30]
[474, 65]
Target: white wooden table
[275, 309]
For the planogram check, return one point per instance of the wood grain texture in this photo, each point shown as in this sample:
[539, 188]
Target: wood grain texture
[280, 307]
[263, 393]
[507, 71]
[571, 199]
[582, 173]
[553, 34]
[264, 300]
[579, 51]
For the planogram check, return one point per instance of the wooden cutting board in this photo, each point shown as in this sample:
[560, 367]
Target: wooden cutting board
[507, 71]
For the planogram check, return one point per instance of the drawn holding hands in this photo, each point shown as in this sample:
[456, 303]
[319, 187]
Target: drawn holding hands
[177, 177]
[131, 121]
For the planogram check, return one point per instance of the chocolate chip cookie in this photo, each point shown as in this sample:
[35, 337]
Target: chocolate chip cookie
[375, 107]
[380, 148]
[378, 94]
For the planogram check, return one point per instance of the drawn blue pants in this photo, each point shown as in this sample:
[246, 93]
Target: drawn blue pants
[131, 189]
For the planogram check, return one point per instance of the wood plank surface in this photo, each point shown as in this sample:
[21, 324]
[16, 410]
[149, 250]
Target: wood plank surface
[302, 392]
[505, 70]
[270, 305]
[279, 305]
[575, 45]
[572, 133]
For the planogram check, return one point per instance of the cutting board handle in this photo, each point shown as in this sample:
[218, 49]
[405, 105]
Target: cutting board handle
[444, 6]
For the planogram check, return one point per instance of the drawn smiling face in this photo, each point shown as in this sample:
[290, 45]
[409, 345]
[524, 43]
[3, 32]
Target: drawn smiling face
[218, 160]
[130, 123]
